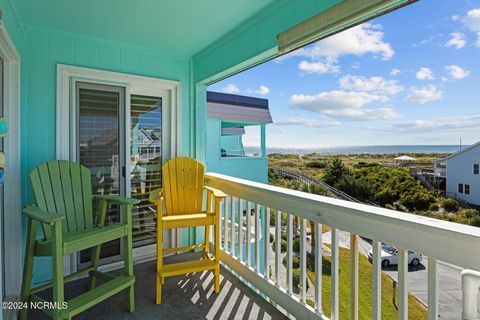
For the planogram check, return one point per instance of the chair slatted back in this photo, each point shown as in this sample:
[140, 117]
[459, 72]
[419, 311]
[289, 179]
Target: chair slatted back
[64, 187]
[183, 183]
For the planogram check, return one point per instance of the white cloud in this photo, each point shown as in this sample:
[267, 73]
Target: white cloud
[263, 90]
[458, 40]
[363, 39]
[472, 22]
[230, 88]
[457, 72]
[318, 67]
[439, 124]
[455, 18]
[343, 104]
[373, 84]
[395, 72]
[425, 74]
[305, 122]
[424, 95]
[359, 40]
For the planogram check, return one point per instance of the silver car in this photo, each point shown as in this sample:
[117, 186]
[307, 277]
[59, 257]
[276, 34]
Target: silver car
[389, 256]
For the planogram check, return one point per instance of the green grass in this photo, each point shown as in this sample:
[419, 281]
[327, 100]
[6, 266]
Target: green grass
[415, 309]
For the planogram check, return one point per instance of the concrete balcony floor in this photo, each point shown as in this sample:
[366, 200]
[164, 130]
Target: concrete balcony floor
[184, 297]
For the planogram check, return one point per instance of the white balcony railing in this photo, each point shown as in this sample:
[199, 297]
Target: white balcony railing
[439, 240]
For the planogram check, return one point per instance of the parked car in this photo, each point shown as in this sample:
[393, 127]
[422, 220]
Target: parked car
[389, 256]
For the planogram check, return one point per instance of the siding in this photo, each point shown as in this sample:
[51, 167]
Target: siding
[460, 170]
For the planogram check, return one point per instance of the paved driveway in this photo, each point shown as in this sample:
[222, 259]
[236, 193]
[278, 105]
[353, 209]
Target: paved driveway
[449, 281]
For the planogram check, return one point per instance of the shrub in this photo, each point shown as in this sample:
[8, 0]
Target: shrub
[272, 237]
[450, 205]
[434, 207]
[470, 213]
[475, 221]
[326, 264]
[334, 171]
[311, 303]
[296, 279]
[295, 262]
[357, 188]
[318, 189]
[417, 198]
[284, 236]
[283, 245]
[316, 164]
[296, 245]
[363, 164]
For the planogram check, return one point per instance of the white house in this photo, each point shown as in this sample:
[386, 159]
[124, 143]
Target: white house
[461, 172]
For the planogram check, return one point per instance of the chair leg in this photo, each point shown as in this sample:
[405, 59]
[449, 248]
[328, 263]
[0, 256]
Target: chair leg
[158, 298]
[95, 261]
[127, 249]
[217, 246]
[57, 257]
[207, 240]
[28, 268]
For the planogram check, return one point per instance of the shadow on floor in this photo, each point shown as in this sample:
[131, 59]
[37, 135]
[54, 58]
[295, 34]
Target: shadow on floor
[184, 297]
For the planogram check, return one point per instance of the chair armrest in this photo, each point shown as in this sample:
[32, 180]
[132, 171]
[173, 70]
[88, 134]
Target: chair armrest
[216, 193]
[156, 195]
[35, 213]
[117, 199]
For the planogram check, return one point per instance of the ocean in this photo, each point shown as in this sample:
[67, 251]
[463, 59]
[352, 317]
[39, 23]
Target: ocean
[409, 149]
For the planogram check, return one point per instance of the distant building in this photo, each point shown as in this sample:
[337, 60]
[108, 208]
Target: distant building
[228, 115]
[459, 173]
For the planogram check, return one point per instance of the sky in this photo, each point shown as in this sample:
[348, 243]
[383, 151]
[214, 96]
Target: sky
[411, 77]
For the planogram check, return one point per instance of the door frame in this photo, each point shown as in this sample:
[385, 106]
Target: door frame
[12, 188]
[67, 76]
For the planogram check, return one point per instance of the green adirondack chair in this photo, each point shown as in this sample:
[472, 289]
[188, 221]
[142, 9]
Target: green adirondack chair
[63, 207]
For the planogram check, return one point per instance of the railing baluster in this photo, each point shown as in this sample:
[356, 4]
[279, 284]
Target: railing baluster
[248, 234]
[225, 225]
[232, 227]
[402, 284]
[376, 281]
[334, 274]
[266, 242]
[303, 260]
[257, 237]
[240, 229]
[318, 268]
[278, 242]
[289, 254]
[432, 289]
[353, 276]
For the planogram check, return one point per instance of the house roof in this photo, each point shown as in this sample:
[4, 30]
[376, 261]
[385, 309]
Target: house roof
[470, 147]
[182, 27]
[405, 158]
[236, 110]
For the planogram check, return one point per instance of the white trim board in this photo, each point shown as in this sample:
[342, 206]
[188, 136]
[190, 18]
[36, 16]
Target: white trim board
[68, 75]
[12, 187]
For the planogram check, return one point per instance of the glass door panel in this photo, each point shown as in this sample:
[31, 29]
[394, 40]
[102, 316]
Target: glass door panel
[100, 127]
[145, 160]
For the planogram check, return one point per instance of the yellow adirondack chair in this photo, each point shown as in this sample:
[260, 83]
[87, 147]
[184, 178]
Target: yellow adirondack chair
[182, 195]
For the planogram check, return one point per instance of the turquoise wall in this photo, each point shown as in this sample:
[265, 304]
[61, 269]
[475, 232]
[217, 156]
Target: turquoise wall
[250, 168]
[43, 51]
[232, 144]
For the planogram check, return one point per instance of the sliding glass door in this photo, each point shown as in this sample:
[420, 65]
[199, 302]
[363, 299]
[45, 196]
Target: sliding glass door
[145, 164]
[101, 128]
[120, 139]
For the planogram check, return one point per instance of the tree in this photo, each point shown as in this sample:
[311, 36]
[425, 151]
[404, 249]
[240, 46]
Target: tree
[335, 171]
